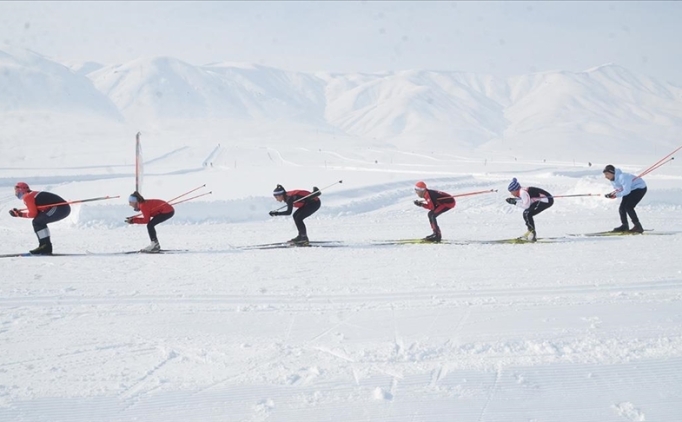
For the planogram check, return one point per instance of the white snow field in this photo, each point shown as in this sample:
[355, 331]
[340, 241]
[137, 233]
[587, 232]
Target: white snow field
[571, 328]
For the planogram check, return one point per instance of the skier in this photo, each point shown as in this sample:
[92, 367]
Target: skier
[437, 203]
[632, 189]
[533, 200]
[42, 208]
[154, 212]
[306, 208]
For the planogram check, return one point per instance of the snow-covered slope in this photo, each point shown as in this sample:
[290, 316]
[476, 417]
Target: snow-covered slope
[30, 83]
[555, 115]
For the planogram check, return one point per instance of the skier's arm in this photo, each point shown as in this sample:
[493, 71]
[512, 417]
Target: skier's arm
[290, 206]
[144, 209]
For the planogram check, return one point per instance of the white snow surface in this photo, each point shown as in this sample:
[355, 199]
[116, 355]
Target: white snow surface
[580, 329]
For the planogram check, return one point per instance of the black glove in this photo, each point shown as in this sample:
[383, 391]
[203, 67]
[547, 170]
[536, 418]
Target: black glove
[273, 213]
[316, 192]
[610, 195]
[15, 212]
[511, 201]
[129, 220]
[418, 203]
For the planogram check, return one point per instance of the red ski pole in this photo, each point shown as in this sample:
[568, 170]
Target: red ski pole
[576, 195]
[186, 193]
[650, 169]
[466, 194]
[659, 163]
[78, 201]
[189, 199]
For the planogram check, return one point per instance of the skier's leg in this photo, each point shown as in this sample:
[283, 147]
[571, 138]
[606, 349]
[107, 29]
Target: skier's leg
[156, 220]
[41, 230]
[304, 212]
[633, 199]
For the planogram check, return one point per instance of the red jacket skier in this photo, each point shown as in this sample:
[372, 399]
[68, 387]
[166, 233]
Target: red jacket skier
[42, 208]
[306, 208]
[154, 211]
[437, 203]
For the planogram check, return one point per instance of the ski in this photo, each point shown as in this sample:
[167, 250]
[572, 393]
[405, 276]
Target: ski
[159, 252]
[138, 252]
[612, 233]
[409, 242]
[514, 241]
[285, 245]
[28, 254]
[289, 244]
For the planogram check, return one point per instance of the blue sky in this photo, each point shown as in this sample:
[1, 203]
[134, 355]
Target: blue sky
[500, 38]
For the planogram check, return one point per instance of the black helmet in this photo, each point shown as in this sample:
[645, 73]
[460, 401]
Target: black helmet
[279, 190]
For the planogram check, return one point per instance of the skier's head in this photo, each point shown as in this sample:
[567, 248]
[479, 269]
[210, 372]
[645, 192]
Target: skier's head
[610, 172]
[279, 193]
[21, 189]
[135, 199]
[420, 189]
[514, 187]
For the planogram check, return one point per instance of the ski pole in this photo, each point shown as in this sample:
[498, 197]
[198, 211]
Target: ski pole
[466, 194]
[186, 193]
[308, 196]
[650, 169]
[78, 201]
[656, 164]
[576, 195]
[189, 199]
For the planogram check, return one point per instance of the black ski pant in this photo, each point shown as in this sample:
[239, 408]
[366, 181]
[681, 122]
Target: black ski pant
[628, 204]
[440, 209]
[157, 219]
[304, 212]
[46, 217]
[535, 209]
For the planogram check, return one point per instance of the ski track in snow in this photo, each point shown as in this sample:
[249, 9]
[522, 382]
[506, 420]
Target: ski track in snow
[584, 329]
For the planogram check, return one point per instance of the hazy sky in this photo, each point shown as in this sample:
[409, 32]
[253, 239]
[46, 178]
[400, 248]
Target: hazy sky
[501, 38]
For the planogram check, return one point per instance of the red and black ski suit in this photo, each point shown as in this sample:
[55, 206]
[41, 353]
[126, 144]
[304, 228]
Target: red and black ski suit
[437, 202]
[306, 207]
[154, 211]
[39, 208]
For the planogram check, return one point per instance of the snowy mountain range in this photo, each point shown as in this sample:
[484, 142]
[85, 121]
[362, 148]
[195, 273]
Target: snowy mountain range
[602, 108]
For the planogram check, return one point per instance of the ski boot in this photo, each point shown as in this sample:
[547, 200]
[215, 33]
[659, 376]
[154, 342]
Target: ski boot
[152, 248]
[42, 249]
[300, 240]
[532, 236]
[529, 236]
[621, 228]
[434, 238]
[637, 228]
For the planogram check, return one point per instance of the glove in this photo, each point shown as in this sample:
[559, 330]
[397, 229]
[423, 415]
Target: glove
[610, 195]
[511, 201]
[15, 212]
[316, 192]
[418, 203]
[129, 220]
[273, 213]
